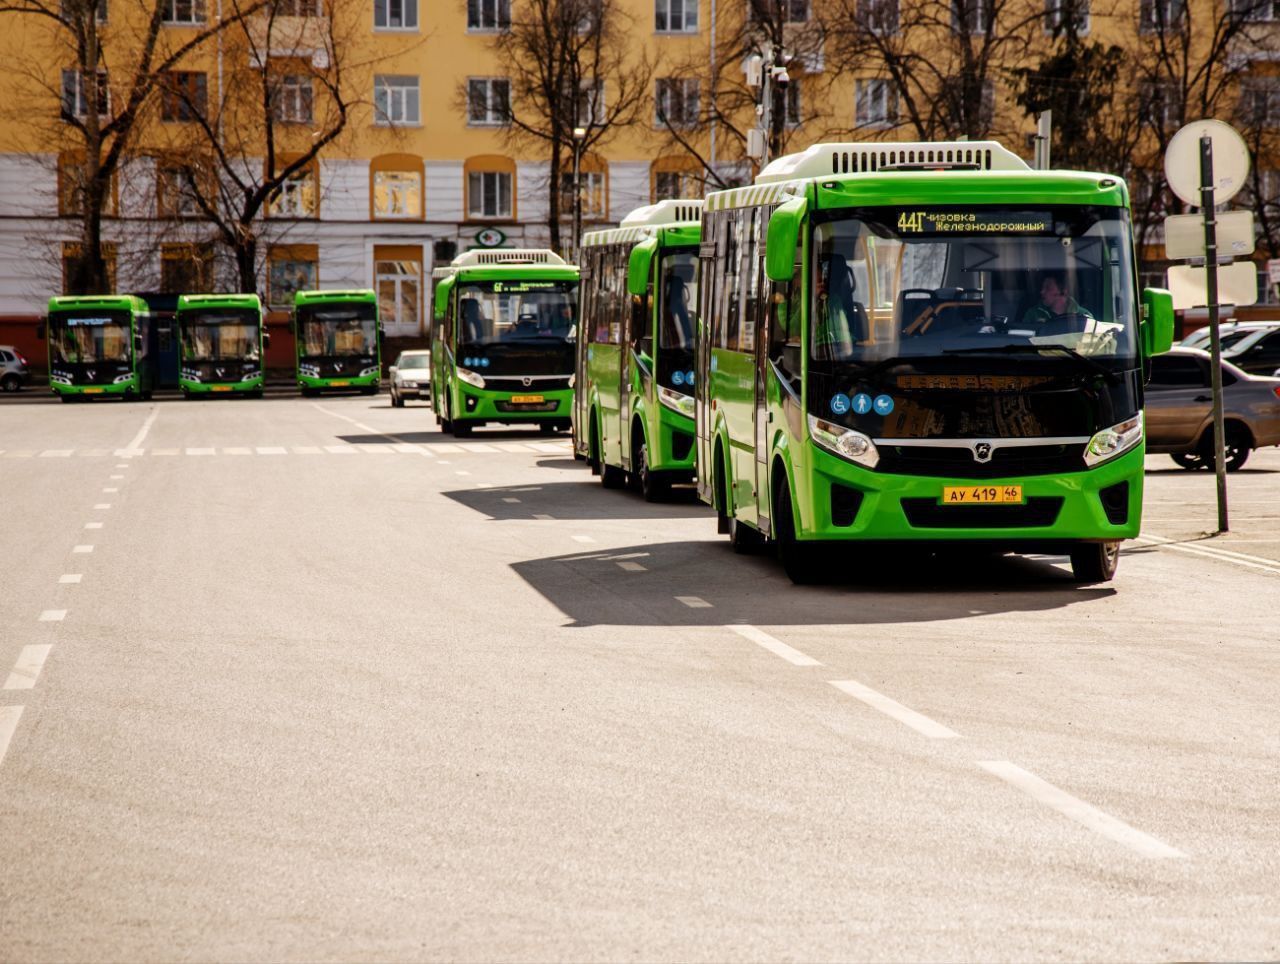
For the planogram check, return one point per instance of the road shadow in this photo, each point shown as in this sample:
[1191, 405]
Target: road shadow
[1192, 473]
[439, 438]
[577, 500]
[867, 587]
[567, 463]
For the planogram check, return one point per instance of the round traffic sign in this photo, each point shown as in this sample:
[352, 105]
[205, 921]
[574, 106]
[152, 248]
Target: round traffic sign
[1230, 161]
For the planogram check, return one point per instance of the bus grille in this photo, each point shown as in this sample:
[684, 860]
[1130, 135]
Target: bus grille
[958, 463]
[1039, 511]
[526, 406]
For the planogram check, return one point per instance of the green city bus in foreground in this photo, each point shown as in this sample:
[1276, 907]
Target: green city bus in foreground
[502, 342]
[928, 344]
[99, 346]
[221, 344]
[339, 341]
[633, 402]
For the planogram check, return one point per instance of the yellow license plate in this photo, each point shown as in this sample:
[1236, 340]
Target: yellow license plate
[527, 399]
[93, 391]
[339, 384]
[222, 388]
[981, 494]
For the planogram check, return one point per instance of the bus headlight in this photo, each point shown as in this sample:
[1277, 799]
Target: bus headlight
[1113, 441]
[470, 377]
[59, 379]
[121, 379]
[309, 371]
[844, 442]
[676, 401]
[366, 372]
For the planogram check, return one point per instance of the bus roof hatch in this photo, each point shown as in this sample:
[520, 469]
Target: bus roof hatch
[824, 160]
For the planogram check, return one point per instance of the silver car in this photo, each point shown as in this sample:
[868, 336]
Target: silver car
[14, 372]
[1179, 410]
[411, 377]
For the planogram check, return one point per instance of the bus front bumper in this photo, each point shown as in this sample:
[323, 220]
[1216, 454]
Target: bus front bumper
[338, 384]
[675, 449]
[483, 405]
[847, 501]
[190, 387]
[91, 390]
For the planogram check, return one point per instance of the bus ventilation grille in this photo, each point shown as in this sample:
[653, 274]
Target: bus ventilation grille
[512, 257]
[871, 159]
[686, 212]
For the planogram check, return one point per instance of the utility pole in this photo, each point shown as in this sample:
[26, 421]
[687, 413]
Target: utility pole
[579, 135]
[1215, 342]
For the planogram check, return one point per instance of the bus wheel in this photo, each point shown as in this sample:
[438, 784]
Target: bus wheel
[146, 396]
[654, 486]
[797, 558]
[460, 429]
[1095, 561]
[745, 540]
[593, 447]
[611, 476]
[308, 392]
[65, 399]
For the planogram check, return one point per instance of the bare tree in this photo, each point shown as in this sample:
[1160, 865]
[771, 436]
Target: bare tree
[571, 64]
[109, 82]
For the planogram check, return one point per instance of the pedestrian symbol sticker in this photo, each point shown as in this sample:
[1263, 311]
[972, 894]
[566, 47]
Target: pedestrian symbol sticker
[688, 378]
[883, 404]
[840, 403]
[862, 403]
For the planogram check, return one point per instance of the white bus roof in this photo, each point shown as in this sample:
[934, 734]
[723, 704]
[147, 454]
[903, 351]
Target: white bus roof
[488, 256]
[824, 160]
[639, 224]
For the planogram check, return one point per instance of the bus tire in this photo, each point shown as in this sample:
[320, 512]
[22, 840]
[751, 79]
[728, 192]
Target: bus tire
[720, 493]
[653, 485]
[593, 445]
[460, 429]
[65, 399]
[744, 539]
[309, 392]
[1095, 561]
[796, 557]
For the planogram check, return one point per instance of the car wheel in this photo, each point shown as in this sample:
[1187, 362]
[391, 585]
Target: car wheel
[11, 383]
[1188, 460]
[1095, 561]
[1236, 449]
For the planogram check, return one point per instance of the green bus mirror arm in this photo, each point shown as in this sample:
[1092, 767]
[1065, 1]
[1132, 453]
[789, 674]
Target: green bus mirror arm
[639, 266]
[1157, 322]
[780, 242]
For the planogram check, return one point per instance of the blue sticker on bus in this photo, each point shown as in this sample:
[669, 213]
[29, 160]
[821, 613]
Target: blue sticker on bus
[677, 378]
[713, 362]
[883, 404]
[688, 378]
[862, 403]
[484, 363]
[840, 403]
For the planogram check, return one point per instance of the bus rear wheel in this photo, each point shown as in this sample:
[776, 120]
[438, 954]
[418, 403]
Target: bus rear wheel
[1095, 561]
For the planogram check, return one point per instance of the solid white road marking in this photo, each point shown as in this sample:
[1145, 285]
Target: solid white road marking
[272, 450]
[102, 505]
[83, 549]
[631, 566]
[1213, 552]
[1082, 813]
[693, 602]
[340, 449]
[202, 451]
[93, 525]
[27, 669]
[583, 539]
[9, 717]
[360, 425]
[53, 615]
[774, 645]
[132, 447]
[70, 577]
[908, 717]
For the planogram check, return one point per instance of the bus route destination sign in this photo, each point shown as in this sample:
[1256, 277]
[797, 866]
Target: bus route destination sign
[974, 222]
[515, 287]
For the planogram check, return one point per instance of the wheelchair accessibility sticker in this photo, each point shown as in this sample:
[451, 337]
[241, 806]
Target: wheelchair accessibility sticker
[840, 403]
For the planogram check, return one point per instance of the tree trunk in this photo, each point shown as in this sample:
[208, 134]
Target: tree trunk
[247, 260]
[553, 199]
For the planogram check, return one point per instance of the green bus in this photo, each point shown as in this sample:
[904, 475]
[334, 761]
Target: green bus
[923, 343]
[99, 346]
[221, 345]
[633, 402]
[502, 342]
[339, 341]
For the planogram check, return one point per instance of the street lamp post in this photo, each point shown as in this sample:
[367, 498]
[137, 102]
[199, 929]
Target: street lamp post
[579, 135]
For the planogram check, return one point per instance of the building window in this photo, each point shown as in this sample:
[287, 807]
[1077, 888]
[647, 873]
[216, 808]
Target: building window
[70, 263]
[291, 99]
[675, 16]
[677, 102]
[184, 96]
[298, 196]
[397, 195]
[875, 105]
[595, 195]
[879, 16]
[186, 268]
[971, 17]
[176, 197]
[1160, 105]
[398, 282]
[183, 12]
[788, 101]
[291, 268]
[1066, 16]
[674, 180]
[489, 194]
[395, 14]
[75, 96]
[395, 100]
[488, 14]
[488, 100]
[75, 10]
[296, 8]
[786, 11]
[589, 106]
[1155, 16]
[1255, 11]
[1260, 103]
[72, 172]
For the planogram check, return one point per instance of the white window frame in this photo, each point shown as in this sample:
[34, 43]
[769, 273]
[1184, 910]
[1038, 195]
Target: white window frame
[397, 100]
[294, 100]
[977, 12]
[1266, 90]
[669, 12]
[171, 185]
[494, 112]
[491, 16]
[1054, 16]
[382, 10]
[689, 92]
[1174, 10]
[486, 197]
[80, 107]
[875, 104]
[183, 13]
[792, 104]
[688, 184]
[875, 16]
[385, 269]
[595, 194]
[298, 197]
[403, 195]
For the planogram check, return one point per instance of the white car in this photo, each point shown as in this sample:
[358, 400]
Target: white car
[411, 377]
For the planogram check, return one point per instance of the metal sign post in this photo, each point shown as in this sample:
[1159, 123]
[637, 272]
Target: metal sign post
[1211, 285]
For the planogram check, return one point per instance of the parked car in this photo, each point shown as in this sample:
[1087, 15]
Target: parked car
[411, 377]
[1179, 410]
[1251, 345]
[14, 372]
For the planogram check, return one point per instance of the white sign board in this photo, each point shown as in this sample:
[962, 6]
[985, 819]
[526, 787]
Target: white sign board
[1230, 161]
[1237, 285]
[1273, 271]
[1184, 235]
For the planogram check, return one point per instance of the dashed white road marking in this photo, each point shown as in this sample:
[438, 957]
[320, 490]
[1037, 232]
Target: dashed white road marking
[774, 645]
[449, 448]
[102, 505]
[340, 449]
[630, 566]
[122, 465]
[83, 549]
[583, 539]
[9, 717]
[272, 450]
[237, 450]
[111, 489]
[463, 472]
[27, 669]
[543, 517]
[53, 615]
[478, 447]
[512, 446]
[904, 715]
[1082, 813]
[510, 499]
[116, 478]
[694, 602]
[132, 447]
[202, 451]
[1213, 552]
[69, 578]
[93, 525]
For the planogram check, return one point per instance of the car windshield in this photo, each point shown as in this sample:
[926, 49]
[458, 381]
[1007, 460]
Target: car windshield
[505, 312]
[413, 361]
[102, 336]
[931, 281]
[220, 335]
[350, 329]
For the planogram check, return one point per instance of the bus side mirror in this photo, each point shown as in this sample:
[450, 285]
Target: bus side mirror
[639, 265]
[1157, 321]
[266, 338]
[40, 329]
[137, 343]
[780, 242]
[441, 299]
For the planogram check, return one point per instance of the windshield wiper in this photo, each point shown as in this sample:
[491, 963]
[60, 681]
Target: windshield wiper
[1083, 360]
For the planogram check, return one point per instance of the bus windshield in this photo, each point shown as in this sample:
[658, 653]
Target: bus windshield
[932, 281]
[517, 311]
[679, 275]
[222, 334]
[337, 329]
[102, 336]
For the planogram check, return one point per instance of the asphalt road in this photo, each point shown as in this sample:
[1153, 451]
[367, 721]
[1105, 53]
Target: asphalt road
[306, 680]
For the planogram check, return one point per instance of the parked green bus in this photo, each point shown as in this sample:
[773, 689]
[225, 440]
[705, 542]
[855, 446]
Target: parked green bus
[99, 346]
[926, 343]
[221, 345]
[502, 342]
[633, 402]
[339, 341]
